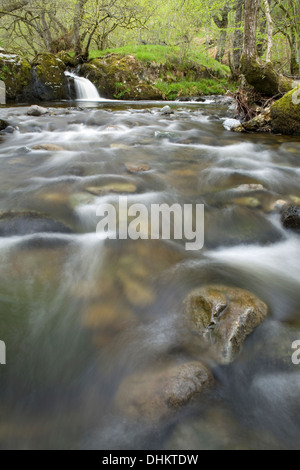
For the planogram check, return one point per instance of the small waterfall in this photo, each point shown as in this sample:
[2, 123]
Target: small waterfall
[85, 90]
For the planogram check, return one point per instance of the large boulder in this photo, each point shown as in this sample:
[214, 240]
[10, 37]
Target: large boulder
[48, 82]
[285, 114]
[15, 73]
[120, 77]
[224, 317]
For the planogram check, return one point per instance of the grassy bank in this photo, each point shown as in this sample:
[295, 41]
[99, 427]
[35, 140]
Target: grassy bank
[179, 84]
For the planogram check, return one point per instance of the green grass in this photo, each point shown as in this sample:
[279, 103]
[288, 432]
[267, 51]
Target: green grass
[164, 55]
[192, 89]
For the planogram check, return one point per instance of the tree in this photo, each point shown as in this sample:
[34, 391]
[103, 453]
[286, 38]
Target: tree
[12, 6]
[222, 21]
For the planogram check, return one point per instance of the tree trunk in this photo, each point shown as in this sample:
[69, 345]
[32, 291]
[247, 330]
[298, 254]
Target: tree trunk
[251, 12]
[238, 35]
[270, 31]
[13, 6]
[77, 24]
[223, 25]
[260, 75]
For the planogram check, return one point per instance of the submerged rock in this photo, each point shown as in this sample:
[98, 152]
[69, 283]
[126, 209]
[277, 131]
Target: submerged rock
[118, 188]
[28, 223]
[48, 147]
[225, 317]
[137, 168]
[290, 218]
[285, 114]
[154, 395]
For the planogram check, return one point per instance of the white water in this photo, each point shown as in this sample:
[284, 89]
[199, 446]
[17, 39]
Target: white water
[85, 89]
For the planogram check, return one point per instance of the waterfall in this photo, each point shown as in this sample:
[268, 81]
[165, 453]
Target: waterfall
[85, 90]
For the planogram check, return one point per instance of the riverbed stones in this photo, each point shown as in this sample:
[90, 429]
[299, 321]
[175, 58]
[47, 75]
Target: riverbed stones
[117, 188]
[290, 218]
[48, 147]
[225, 317]
[155, 394]
[134, 168]
[29, 223]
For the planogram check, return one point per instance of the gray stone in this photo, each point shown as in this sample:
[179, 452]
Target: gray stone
[37, 111]
[2, 93]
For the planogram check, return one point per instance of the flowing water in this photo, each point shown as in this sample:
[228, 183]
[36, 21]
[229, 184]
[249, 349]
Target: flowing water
[80, 314]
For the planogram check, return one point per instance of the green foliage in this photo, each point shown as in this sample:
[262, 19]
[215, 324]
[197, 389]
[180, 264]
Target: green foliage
[166, 55]
[203, 87]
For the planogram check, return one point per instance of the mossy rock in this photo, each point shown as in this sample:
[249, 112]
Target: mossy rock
[15, 73]
[67, 59]
[285, 114]
[261, 76]
[49, 82]
[120, 77]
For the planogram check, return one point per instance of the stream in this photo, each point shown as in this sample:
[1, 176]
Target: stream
[81, 314]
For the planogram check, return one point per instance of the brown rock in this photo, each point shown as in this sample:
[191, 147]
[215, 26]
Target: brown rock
[225, 317]
[155, 394]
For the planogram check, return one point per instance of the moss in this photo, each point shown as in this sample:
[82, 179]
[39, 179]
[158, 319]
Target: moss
[67, 59]
[261, 76]
[126, 77]
[49, 81]
[285, 114]
[15, 72]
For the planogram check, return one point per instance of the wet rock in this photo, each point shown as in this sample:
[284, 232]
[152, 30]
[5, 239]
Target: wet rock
[137, 168]
[118, 188]
[218, 429]
[48, 80]
[156, 394]
[260, 123]
[107, 319]
[278, 206]
[235, 225]
[225, 317]
[3, 125]
[9, 130]
[48, 147]
[136, 289]
[37, 111]
[231, 124]
[166, 111]
[28, 223]
[290, 218]
[250, 202]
